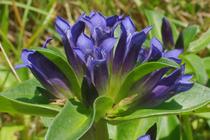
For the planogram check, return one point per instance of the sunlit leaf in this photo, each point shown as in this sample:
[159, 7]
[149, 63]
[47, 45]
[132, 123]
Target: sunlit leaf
[206, 62]
[196, 63]
[155, 19]
[71, 123]
[200, 43]
[189, 34]
[29, 98]
[131, 129]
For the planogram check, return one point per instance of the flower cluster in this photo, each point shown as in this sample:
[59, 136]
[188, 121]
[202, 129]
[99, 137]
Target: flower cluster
[96, 55]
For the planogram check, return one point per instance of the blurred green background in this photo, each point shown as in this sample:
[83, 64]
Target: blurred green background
[27, 23]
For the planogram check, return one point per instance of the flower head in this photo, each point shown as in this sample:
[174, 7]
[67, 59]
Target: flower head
[100, 27]
[99, 56]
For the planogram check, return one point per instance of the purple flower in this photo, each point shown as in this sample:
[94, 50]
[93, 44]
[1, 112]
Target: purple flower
[156, 51]
[89, 52]
[167, 35]
[129, 46]
[98, 55]
[94, 58]
[168, 41]
[100, 27]
[158, 87]
[69, 35]
[50, 76]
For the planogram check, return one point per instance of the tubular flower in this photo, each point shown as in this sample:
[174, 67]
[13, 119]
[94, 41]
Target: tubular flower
[49, 75]
[91, 51]
[69, 35]
[168, 49]
[99, 56]
[100, 27]
[157, 88]
[129, 46]
[173, 50]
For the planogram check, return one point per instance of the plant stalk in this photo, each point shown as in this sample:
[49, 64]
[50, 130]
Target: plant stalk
[10, 64]
[98, 131]
[187, 127]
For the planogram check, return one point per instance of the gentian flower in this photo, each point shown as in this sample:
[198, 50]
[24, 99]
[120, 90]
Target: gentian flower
[167, 36]
[100, 27]
[173, 49]
[69, 35]
[129, 46]
[168, 49]
[50, 76]
[157, 88]
[91, 51]
[99, 56]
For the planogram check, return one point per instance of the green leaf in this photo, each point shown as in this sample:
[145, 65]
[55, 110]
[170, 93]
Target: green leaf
[63, 65]
[9, 132]
[154, 19]
[205, 115]
[4, 23]
[197, 66]
[47, 121]
[186, 102]
[71, 123]
[102, 104]
[168, 128]
[28, 98]
[178, 22]
[75, 119]
[187, 133]
[139, 72]
[132, 129]
[189, 34]
[206, 62]
[200, 43]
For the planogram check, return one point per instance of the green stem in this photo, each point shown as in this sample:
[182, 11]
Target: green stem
[4, 81]
[98, 131]
[101, 130]
[187, 127]
[10, 64]
[22, 5]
